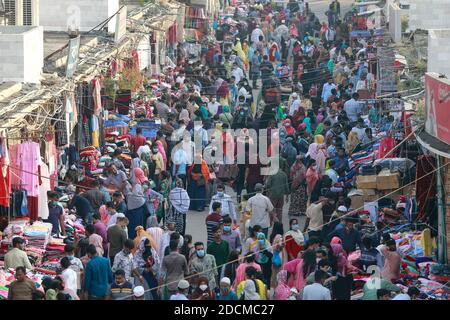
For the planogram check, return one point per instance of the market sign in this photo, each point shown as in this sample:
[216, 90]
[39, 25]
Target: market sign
[437, 105]
[73, 56]
[121, 24]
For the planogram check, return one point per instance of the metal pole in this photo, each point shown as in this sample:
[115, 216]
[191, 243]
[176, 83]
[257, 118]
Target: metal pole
[442, 257]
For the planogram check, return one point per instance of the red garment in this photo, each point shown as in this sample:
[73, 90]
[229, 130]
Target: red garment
[138, 141]
[5, 188]
[386, 145]
[425, 184]
[292, 247]
[32, 208]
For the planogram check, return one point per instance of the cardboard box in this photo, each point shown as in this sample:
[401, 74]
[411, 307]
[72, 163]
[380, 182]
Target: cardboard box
[387, 180]
[357, 198]
[369, 195]
[366, 182]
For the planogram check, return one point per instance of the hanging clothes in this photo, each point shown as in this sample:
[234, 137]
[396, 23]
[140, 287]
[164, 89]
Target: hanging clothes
[96, 96]
[29, 158]
[425, 185]
[386, 145]
[95, 129]
[44, 187]
[32, 208]
[5, 181]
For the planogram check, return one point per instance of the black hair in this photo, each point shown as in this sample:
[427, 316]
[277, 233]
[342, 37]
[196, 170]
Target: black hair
[227, 219]
[91, 249]
[117, 152]
[292, 221]
[62, 296]
[16, 241]
[129, 244]
[117, 194]
[367, 242]
[277, 229]
[256, 228]
[215, 229]
[68, 248]
[65, 262]
[323, 263]
[110, 204]
[216, 205]
[320, 275]
[322, 252]
[250, 258]
[413, 291]
[173, 245]
[138, 130]
[38, 295]
[119, 272]
[309, 262]
[347, 202]
[97, 216]
[313, 240]
[21, 268]
[95, 183]
[90, 229]
[199, 243]
[250, 271]
[175, 236]
[355, 96]
[382, 292]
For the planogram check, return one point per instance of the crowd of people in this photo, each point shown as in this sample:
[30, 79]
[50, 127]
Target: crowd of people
[136, 245]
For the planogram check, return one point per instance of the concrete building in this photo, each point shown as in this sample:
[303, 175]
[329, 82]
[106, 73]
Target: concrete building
[395, 23]
[77, 15]
[22, 53]
[439, 51]
[429, 14]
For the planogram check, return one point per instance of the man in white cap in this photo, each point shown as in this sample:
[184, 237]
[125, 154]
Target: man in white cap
[138, 293]
[295, 104]
[226, 293]
[183, 291]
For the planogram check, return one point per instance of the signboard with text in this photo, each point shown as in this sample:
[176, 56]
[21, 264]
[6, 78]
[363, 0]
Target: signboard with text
[73, 56]
[437, 94]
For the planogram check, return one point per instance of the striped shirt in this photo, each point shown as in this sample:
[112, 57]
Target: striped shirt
[213, 220]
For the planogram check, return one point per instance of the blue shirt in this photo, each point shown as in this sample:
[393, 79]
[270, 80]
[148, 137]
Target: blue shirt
[230, 296]
[98, 276]
[349, 239]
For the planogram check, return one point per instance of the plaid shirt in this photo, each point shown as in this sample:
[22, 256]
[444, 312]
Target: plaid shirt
[123, 261]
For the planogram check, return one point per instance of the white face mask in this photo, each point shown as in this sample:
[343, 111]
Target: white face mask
[203, 287]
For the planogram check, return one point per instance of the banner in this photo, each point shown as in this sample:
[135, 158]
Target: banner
[73, 56]
[437, 107]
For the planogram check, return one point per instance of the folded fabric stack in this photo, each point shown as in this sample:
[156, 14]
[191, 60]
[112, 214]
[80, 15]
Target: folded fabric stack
[55, 250]
[38, 234]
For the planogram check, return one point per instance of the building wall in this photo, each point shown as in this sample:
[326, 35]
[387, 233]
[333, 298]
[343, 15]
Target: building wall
[22, 54]
[60, 15]
[395, 23]
[429, 14]
[439, 51]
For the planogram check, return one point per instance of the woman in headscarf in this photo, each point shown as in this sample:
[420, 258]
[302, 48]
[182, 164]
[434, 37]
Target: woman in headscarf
[226, 116]
[352, 142]
[278, 258]
[155, 231]
[320, 116]
[274, 52]
[321, 158]
[250, 291]
[263, 256]
[313, 149]
[312, 176]
[299, 269]
[135, 163]
[338, 252]
[179, 206]
[229, 270]
[146, 261]
[203, 291]
[198, 177]
[140, 234]
[136, 205]
[224, 94]
[309, 121]
[294, 240]
[282, 290]
[299, 197]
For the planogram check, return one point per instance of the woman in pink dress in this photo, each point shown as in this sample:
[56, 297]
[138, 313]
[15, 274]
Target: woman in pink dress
[300, 268]
[282, 290]
[312, 176]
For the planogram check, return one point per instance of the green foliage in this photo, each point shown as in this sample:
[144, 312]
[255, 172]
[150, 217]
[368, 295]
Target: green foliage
[110, 88]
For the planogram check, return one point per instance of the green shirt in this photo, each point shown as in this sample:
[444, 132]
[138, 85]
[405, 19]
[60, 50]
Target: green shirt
[277, 185]
[220, 251]
[371, 294]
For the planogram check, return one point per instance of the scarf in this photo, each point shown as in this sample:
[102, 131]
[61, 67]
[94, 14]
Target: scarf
[141, 234]
[139, 176]
[282, 291]
[313, 151]
[136, 198]
[297, 235]
[289, 130]
[250, 291]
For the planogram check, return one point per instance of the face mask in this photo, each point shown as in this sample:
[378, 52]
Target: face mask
[295, 227]
[155, 151]
[200, 253]
[220, 193]
[262, 242]
[197, 127]
[288, 125]
[227, 228]
[203, 287]
[225, 290]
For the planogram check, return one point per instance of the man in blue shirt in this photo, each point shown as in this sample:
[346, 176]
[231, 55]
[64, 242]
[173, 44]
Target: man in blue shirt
[98, 275]
[326, 91]
[352, 107]
[350, 237]
[341, 160]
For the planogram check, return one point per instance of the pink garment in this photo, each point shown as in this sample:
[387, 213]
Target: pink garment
[104, 214]
[312, 176]
[313, 150]
[339, 253]
[96, 95]
[336, 240]
[97, 241]
[162, 151]
[28, 160]
[240, 271]
[392, 262]
[321, 160]
[139, 176]
[282, 291]
[295, 268]
[14, 165]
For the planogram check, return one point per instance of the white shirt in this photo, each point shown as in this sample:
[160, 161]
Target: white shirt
[70, 279]
[213, 107]
[255, 35]
[227, 208]
[361, 132]
[402, 296]
[315, 215]
[316, 291]
[143, 149]
[294, 107]
[260, 207]
[178, 296]
[238, 74]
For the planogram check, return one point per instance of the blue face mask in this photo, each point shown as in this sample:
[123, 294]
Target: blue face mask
[200, 253]
[220, 194]
[261, 241]
[227, 228]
